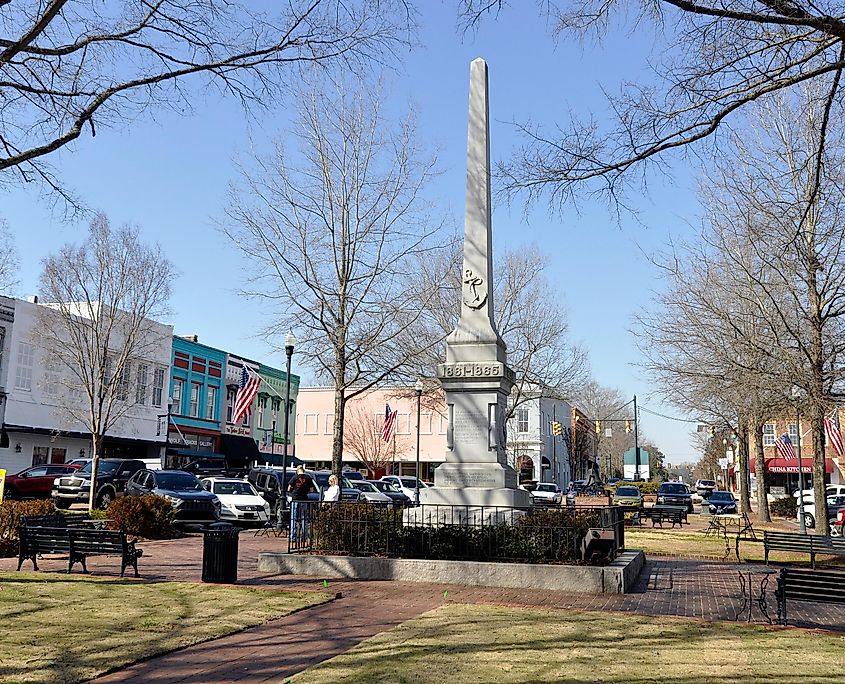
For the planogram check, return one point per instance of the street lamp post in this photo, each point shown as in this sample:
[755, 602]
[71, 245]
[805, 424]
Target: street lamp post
[419, 388]
[290, 341]
[796, 395]
[167, 429]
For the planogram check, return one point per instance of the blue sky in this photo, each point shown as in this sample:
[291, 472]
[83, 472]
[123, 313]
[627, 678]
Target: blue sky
[169, 175]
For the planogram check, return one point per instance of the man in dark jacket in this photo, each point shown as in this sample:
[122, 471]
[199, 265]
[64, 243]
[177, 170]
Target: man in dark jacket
[299, 488]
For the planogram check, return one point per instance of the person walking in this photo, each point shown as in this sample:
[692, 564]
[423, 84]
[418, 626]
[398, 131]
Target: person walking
[332, 493]
[299, 488]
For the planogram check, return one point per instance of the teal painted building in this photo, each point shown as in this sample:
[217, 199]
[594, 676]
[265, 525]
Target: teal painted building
[270, 402]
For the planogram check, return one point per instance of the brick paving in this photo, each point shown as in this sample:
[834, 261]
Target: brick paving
[682, 587]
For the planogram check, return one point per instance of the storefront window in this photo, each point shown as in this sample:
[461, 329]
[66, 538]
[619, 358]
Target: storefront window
[769, 434]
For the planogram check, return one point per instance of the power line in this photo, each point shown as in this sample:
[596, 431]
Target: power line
[663, 415]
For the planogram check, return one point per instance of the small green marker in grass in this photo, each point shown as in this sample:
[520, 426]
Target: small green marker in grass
[446, 594]
[325, 584]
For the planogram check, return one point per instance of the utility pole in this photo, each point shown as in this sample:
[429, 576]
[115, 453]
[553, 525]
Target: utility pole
[636, 442]
[554, 451]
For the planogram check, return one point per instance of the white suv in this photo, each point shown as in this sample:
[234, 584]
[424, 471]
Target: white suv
[405, 483]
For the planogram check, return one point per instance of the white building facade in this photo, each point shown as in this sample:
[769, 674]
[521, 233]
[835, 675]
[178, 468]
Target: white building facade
[36, 423]
[534, 451]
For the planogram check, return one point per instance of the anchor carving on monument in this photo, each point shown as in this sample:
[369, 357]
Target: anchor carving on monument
[475, 293]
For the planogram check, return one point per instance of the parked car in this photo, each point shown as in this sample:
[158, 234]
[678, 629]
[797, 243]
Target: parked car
[348, 492]
[35, 482]
[271, 484]
[392, 491]
[837, 525]
[573, 489]
[212, 467]
[628, 497]
[675, 494]
[191, 503]
[546, 494]
[371, 494]
[112, 476]
[704, 488]
[829, 490]
[239, 500]
[79, 462]
[407, 484]
[835, 504]
[721, 502]
[353, 475]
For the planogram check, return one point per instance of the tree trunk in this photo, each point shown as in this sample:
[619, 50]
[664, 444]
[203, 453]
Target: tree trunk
[817, 392]
[817, 418]
[96, 448]
[760, 473]
[337, 432]
[743, 480]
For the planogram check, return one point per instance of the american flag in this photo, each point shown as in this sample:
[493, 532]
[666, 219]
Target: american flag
[246, 393]
[389, 426]
[785, 448]
[833, 434]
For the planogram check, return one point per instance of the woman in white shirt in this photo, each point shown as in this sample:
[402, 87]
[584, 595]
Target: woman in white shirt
[332, 492]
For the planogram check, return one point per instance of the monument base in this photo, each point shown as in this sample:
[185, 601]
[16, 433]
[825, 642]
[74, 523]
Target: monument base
[475, 496]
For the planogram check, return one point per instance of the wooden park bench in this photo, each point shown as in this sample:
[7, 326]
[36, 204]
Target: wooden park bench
[802, 584]
[802, 543]
[677, 515]
[56, 520]
[78, 543]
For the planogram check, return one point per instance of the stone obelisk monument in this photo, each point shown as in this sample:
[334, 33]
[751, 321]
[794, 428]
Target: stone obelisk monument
[476, 377]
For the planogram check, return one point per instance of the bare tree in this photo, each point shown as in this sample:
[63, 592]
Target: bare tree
[714, 60]
[785, 201]
[71, 66]
[607, 404]
[98, 319]
[9, 260]
[333, 236]
[362, 437]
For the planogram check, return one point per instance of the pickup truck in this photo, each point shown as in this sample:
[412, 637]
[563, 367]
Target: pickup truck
[112, 476]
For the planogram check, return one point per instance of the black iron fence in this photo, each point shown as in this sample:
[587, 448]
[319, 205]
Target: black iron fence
[481, 533]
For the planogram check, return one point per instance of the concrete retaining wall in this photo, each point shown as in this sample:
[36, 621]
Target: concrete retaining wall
[617, 578]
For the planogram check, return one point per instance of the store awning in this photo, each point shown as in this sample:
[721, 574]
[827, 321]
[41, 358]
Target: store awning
[790, 466]
[193, 453]
[240, 451]
[545, 463]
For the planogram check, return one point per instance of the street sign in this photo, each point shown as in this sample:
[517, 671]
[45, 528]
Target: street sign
[723, 463]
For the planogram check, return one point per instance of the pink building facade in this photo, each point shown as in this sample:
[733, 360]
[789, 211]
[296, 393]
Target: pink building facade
[365, 414]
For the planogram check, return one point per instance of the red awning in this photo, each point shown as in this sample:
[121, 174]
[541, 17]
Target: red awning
[782, 465]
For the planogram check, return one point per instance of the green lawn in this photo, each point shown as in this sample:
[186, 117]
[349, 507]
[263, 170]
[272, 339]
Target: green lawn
[468, 644]
[685, 542]
[58, 628]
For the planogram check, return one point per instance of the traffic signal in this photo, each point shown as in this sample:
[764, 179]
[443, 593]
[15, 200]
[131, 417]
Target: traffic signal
[557, 428]
[627, 426]
[598, 427]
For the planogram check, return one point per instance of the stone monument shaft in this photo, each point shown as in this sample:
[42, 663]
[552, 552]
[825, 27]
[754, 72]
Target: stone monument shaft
[475, 376]
[477, 323]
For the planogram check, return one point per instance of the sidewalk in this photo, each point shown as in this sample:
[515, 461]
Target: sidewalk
[270, 652]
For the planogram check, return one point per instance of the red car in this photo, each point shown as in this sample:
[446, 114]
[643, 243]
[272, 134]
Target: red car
[35, 482]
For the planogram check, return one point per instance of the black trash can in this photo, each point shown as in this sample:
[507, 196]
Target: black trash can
[220, 553]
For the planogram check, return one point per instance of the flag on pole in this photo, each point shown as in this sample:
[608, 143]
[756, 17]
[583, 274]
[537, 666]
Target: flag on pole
[389, 423]
[785, 448]
[246, 393]
[833, 433]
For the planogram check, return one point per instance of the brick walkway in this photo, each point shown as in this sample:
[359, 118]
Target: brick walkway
[270, 652]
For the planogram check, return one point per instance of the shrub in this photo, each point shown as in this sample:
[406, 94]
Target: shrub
[540, 536]
[644, 487]
[150, 517]
[785, 507]
[10, 518]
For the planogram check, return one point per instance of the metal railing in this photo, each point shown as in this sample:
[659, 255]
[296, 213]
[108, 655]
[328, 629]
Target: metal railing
[481, 533]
